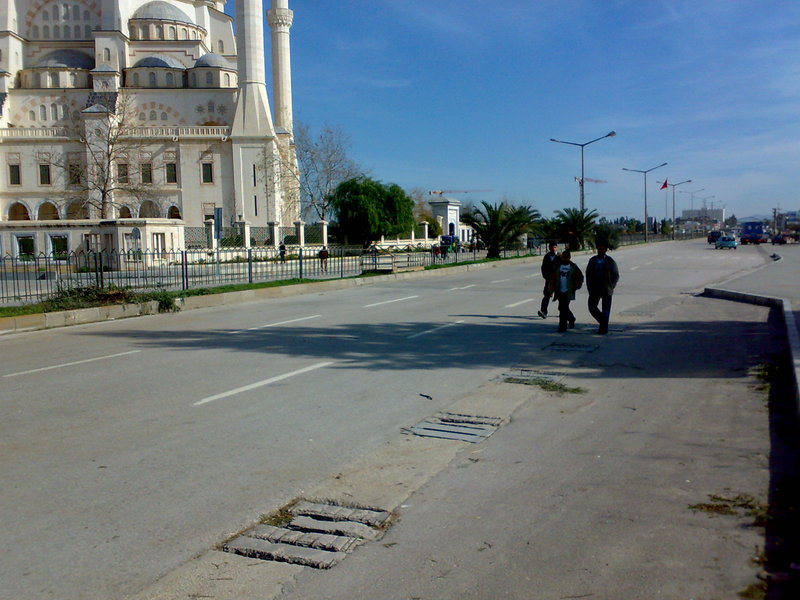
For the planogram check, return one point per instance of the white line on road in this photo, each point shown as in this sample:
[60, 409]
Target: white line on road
[520, 302]
[434, 329]
[636, 267]
[276, 324]
[466, 287]
[70, 364]
[390, 301]
[258, 384]
[500, 280]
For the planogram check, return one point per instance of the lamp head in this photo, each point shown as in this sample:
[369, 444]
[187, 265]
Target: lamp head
[611, 134]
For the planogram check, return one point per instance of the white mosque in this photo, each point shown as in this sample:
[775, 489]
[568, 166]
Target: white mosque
[197, 137]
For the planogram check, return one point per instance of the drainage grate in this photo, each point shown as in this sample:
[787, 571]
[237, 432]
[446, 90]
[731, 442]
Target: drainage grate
[319, 535]
[456, 426]
[526, 375]
[568, 347]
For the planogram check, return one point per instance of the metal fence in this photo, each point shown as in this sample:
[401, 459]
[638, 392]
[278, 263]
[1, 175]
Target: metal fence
[32, 278]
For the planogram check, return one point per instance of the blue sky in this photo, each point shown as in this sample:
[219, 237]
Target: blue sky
[461, 94]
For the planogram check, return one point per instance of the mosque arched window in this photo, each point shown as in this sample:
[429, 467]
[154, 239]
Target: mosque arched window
[76, 12]
[209, 78]
[151, 79]
[107, 54]
[136, 80]
[73, 80]
[227, 80]
[221, 47]
[54, 112]
[55, 13]
[53, 80]
[163, 116]
[86, 16]
[46, 31]
[45, 16]
[36, 32]
[64, 111]
[77, 30]
[170, 80]
[67, 32]
[43, 113]
[56, 32]
[153, 115]
[31, 115]
[173, 33]
[87, 32]
[184, 33]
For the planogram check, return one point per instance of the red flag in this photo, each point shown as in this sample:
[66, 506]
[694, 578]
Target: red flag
[666, 183]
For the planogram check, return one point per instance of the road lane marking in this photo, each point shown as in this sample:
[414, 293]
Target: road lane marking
[634, 268]
[258, 384]
[390, 301]
[500, 280]
[434, 329]
[70, 364]
[275, 324]
[466, 287]
[519, 303]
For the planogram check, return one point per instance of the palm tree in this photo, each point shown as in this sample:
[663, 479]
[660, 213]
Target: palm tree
[500, 225]
[576, 226]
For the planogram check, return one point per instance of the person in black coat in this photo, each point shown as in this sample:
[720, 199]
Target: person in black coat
[602, 275]
[549, 264]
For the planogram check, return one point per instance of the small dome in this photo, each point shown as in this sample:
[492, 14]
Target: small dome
[69, 59]
[212, 60]
[158, 10]
[157, 62]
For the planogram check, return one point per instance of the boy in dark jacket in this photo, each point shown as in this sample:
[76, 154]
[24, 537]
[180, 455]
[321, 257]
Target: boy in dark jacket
[565, 280]
[549, 263]
[602, 276]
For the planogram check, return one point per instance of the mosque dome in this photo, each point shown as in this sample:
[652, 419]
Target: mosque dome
[66, 59]
[212, 60]
[157, 62]
[158, 10]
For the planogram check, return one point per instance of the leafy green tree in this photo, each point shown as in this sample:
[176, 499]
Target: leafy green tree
[368, 209]
[575, 226]
[500, 226]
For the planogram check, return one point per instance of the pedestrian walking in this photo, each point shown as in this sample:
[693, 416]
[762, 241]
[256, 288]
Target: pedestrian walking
[566, 279]
[282, 252]
[549, 263]
[323, 259]
[602, 275]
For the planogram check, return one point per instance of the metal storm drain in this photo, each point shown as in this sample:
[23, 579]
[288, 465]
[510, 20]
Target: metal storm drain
[571, 347]
[456, 426]
[318, 535]
[532, 376]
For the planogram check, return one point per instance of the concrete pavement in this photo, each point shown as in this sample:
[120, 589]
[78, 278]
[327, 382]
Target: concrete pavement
[579, 494]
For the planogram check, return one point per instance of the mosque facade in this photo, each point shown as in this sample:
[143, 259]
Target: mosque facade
[119, 117]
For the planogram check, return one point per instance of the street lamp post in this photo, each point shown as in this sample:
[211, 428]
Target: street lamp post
[645, 172]
[674, 185]
[582, 146]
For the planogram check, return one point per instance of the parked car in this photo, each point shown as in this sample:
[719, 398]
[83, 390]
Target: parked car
[726, 241]
[713, 236]
[778, 238]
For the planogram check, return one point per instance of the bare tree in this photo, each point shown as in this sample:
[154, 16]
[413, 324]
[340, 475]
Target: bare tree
[322, 164]
[112, 162]
[423, 212]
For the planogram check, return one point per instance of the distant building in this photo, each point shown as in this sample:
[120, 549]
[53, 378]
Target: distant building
[200, 139]
[704, 215]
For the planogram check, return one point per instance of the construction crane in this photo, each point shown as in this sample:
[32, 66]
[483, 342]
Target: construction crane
[442, 192]
[590, 180]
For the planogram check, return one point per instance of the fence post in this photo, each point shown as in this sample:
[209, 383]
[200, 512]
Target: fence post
[300, 261]
[249, 265]
[185, 269]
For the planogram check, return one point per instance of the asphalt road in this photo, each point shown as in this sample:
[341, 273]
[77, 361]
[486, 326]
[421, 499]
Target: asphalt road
[128, 448]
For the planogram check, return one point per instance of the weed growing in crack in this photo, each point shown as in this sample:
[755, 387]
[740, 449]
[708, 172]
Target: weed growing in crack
[546, 384]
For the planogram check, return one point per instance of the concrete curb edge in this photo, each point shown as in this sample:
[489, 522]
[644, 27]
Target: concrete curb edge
[789, 323]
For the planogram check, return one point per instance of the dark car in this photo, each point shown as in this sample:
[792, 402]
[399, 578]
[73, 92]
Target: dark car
[713, 236]
[778, 238]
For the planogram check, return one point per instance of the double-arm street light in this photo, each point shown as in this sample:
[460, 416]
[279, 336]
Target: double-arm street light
[691, 206]
[673, 186]
[645, 172]
[582, 146]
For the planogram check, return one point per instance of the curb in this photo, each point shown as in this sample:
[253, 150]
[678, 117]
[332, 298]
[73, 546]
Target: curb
[39, 321]
[789, 323]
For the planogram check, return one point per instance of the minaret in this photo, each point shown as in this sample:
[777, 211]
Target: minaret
[252, 116]
[280, 21]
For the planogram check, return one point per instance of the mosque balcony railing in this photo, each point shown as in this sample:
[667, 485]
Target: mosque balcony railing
[37, 132]
[196, 132]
